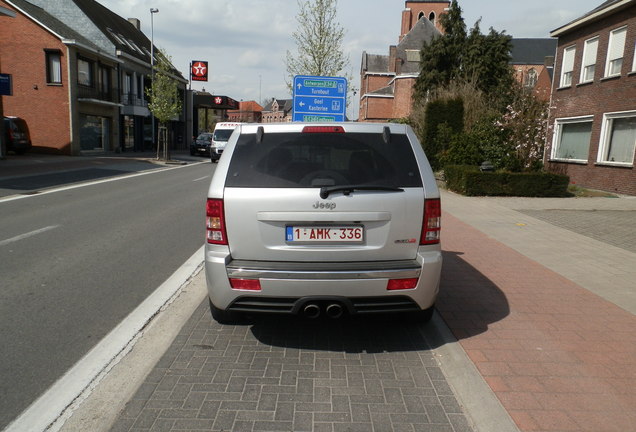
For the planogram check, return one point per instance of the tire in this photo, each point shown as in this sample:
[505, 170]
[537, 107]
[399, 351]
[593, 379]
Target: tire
[223, 316]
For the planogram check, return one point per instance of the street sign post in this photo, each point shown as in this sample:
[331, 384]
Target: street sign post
[319, 99]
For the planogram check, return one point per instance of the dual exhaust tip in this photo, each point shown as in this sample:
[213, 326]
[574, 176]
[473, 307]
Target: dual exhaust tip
[313, 310]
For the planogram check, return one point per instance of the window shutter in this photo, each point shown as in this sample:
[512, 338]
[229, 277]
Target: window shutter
[568, 59]
[617, 44]
[591, 48]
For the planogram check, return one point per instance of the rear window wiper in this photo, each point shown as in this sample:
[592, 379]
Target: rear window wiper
[325, 191]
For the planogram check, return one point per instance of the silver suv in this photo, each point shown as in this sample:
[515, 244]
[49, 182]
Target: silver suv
[333, 219]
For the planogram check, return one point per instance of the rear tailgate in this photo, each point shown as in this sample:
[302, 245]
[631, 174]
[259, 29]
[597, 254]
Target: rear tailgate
[295, 224]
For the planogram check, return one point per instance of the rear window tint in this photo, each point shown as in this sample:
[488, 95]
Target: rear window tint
[289, 160]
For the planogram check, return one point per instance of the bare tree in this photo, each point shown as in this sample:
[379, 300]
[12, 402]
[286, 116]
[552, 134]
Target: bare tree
[318, 39]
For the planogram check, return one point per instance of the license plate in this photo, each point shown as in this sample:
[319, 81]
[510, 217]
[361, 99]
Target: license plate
[327, 234]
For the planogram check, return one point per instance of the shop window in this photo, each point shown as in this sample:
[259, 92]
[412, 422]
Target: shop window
[572, 139]
[94, 132]
[618, 138]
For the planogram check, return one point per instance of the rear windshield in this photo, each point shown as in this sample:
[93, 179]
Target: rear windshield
[222, 134]
[290, 160]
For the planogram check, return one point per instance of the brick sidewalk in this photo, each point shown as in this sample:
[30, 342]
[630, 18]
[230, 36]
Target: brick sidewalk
[558, 357]
[287, 374]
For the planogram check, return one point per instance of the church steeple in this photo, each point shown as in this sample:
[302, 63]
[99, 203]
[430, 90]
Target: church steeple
[414, 10]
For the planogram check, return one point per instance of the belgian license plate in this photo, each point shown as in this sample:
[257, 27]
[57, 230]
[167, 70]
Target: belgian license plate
[337, 234]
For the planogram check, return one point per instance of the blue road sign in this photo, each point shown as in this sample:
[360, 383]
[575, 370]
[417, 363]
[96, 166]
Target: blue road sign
[319, 99]
[6, 87]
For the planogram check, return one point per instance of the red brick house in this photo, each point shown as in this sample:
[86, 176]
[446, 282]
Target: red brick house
[533, 64]
[79, 77]
[248, 112]
[42, 54]
[386, 82]
[593, 104]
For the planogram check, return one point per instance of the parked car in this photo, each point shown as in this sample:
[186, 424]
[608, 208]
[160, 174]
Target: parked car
[201, 145]
[16, 135]
[332, 219]
[222, 133]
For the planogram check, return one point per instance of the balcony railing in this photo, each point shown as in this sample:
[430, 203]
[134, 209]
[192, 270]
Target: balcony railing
[133, 99]
[84, 92]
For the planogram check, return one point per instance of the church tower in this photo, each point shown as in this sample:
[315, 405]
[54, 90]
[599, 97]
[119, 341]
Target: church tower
[414, 10]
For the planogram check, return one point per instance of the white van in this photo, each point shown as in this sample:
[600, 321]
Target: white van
[222, 133]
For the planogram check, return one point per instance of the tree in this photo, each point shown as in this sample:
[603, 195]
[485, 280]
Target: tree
[165, 103]
[318, 39]
[458, 55]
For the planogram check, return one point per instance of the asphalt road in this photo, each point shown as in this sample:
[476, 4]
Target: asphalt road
[75, 262]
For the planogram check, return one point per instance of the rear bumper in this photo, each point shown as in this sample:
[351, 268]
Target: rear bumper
[287, 286]
[325, 271]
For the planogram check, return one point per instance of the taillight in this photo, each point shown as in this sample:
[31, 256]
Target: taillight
[401, 284]
[323, 129]
[432, 222]
[245, 284]
[215, 222]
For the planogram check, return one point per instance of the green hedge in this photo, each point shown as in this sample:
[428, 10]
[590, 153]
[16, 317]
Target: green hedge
[469, 180]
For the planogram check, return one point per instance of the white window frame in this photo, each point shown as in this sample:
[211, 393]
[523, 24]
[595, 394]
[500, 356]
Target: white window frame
[615, 51]
[606, 134]
[556, 138]
[634, 62]
[590, 52]
[567, 66]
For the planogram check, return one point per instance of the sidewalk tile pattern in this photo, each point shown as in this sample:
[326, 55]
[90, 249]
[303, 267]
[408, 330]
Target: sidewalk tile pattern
[296, 375]
[615, 227]
[558, 357]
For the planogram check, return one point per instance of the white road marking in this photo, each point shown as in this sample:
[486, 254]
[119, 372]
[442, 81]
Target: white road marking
[50, 411]
[79, 185]
[201, 178]
[27, 235]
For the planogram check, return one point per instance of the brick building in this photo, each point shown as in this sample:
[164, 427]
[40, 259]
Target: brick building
[278, 110]
[386, 81]
[594, 99]
[248, 112]
[533, 64]
[79, 73]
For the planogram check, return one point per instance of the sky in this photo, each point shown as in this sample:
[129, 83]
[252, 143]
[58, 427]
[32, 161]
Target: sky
[245, 41]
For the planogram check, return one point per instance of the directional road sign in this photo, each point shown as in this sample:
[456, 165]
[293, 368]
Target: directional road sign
[319, 99]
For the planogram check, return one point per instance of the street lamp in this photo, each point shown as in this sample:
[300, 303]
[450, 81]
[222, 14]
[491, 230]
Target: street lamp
[153, 11]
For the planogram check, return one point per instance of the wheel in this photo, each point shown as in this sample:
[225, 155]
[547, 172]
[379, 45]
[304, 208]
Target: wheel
[223, 316]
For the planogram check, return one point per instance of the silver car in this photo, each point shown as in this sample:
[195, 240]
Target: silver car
[323, 219]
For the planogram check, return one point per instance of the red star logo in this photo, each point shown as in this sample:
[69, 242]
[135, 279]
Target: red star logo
[199, 69]
[218, 100]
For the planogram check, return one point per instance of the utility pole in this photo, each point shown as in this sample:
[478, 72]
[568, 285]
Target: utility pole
[153, 11]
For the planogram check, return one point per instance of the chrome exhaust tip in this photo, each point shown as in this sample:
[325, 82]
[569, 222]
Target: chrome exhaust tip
[334, 311]
[311, 311]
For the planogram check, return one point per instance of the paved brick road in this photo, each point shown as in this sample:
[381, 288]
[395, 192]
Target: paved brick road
[296, 375]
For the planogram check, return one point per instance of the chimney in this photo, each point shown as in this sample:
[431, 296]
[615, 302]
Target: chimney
[135, 22]
[392, 58]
